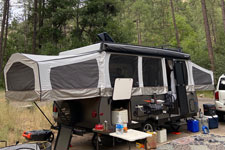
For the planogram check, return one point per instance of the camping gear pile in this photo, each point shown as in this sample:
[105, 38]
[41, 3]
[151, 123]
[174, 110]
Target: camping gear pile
[204, 122]
[210, 113]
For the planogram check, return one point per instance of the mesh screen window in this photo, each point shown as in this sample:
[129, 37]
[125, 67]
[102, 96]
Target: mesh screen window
[20, 77]
[79, 75]
[152, 72]
[123, 66]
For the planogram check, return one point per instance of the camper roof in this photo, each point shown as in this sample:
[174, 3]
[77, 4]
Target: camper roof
[127, 49]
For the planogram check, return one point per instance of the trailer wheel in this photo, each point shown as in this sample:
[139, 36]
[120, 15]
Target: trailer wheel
[149, 126]
[175, 127]
[94, 141]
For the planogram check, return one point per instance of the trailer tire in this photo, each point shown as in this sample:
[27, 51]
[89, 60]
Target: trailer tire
[149, 126]
[175, 127]
[104, 140]
[70, 112]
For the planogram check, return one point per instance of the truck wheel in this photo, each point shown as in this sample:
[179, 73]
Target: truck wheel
[220, 115]
[149, 126]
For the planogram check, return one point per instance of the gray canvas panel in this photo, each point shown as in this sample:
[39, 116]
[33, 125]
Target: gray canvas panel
[20, 77]
[204, 87]
[69, 94]
[152, 72]
[75, 76]
[106, 92]
[23, 96]
[201, 77]
[123, 66]
[190, 88]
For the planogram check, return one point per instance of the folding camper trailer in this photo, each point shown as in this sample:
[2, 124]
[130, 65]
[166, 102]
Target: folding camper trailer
[81, 82]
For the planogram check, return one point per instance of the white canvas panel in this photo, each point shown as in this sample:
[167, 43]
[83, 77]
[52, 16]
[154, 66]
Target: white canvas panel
[86, 49]
[140, 72]
[164, 72]
[107, 77]
[102, 70]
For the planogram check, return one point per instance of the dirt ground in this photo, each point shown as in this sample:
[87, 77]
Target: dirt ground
[84, 142]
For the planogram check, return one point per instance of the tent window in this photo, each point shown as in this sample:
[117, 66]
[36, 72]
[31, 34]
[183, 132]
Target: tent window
[201, 77]
[123, 66]
[80, 75]
[152, 72]
[20, 77]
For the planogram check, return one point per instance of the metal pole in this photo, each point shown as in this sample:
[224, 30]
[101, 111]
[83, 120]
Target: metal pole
[43, 114]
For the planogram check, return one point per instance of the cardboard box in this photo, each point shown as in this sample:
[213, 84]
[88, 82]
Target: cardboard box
[152, 141]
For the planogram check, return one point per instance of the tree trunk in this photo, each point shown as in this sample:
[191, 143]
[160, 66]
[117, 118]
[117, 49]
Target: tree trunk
[41, 20]
[174, 23]
[34, 27]
[26, 27]
[207, 33]
[138, 30]
[213, 21]
[223, 14]
[213, 28]
[2, 34]
[6, 29]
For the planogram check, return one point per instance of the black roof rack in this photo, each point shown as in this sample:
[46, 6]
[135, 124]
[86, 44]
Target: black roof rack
[170, 47]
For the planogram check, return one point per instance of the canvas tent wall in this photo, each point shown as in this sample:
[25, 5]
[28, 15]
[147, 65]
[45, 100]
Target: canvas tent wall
[90, 72]
[200, 78]
[35, 77]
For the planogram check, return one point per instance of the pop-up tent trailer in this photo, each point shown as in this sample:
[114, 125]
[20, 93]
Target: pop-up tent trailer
[82, 80]
[88, 72]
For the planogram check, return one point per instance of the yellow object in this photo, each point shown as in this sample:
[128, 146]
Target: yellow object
[140, 146]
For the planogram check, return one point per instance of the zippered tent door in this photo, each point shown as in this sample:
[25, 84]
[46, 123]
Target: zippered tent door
[181, 86]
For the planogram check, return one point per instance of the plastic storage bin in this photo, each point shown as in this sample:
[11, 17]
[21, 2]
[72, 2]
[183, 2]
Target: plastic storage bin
[209, 109]
[213, 121]
[193, 125]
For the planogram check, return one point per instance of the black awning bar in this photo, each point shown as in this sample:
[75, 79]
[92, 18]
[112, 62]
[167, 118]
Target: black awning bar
[44, 114]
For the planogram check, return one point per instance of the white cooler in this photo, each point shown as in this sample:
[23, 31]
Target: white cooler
[122, 114]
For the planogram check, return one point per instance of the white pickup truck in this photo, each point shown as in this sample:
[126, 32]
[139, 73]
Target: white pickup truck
[220, 97]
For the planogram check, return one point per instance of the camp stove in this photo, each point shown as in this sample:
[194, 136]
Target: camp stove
[156, 107]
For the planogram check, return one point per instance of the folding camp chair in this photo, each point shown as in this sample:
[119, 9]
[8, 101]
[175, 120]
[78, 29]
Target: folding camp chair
[63, 138]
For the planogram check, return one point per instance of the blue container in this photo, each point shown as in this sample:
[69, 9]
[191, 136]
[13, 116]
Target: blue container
[213, 121]
[193, 125]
